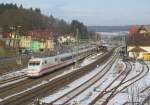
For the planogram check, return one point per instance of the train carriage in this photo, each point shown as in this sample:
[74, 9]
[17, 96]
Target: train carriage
[39, 66]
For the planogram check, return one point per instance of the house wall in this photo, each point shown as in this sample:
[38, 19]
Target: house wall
[50, 44]
[25, 41]
[43, 45]
[141, 54]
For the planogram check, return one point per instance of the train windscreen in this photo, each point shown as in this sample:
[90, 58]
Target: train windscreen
[34, 63]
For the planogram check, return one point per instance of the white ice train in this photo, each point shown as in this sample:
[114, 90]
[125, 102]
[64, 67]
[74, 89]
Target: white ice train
[39, 66]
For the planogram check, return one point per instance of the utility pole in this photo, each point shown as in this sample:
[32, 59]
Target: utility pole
[58, 52]
[77, 48]
[126, 51]
[17, 45]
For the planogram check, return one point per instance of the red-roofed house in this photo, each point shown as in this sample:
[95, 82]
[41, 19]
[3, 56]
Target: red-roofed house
[138, 42]
[45, 38]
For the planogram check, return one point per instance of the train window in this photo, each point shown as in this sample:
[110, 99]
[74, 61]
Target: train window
[45, 62]
[66, 58]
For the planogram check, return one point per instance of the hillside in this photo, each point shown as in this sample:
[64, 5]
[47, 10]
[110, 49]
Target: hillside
[108, 28]
[32, 19]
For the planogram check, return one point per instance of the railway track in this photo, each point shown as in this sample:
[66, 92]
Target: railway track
[121, 87]
[134, 79]
[4, 81]
[146, 89]
[84, 86]
[145, 92]
[108, 90]
[26, 83]
[17, 83]
[15, 76]
[48, 86]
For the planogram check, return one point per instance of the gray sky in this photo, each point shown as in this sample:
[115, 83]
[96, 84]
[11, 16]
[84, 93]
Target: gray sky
[93, 12]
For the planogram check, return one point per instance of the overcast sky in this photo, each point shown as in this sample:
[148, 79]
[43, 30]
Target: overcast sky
[93, 12]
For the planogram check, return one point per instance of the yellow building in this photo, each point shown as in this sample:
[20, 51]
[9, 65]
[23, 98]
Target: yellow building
[50, 44]
[25, 41]
[147, 56]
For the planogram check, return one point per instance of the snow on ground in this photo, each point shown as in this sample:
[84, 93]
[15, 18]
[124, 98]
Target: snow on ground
[90, 59]
[12, 82]
[13, 74]
[87, 96]
[133, 92]
[147, 78]
[136, 69]
[72, 85]
[122, 97]
[43, 82]
[125, 96]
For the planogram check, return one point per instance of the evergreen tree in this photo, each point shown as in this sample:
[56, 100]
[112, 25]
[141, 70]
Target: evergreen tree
[29, 19]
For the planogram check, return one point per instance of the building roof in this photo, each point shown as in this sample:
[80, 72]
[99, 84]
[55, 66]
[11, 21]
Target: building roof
[138, 39]
[137, 49]
[133, 30]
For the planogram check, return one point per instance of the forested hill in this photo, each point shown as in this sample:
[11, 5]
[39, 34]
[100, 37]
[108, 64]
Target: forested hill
[33, 19]
[108, 28]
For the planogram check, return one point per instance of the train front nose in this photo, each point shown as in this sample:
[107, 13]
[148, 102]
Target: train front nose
[32, 73]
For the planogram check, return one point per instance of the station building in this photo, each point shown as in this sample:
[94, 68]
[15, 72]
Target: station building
[138, 43]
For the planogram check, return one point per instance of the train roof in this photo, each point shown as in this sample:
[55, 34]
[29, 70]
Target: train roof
[39, 59]
[61, 55]
[35, 59]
